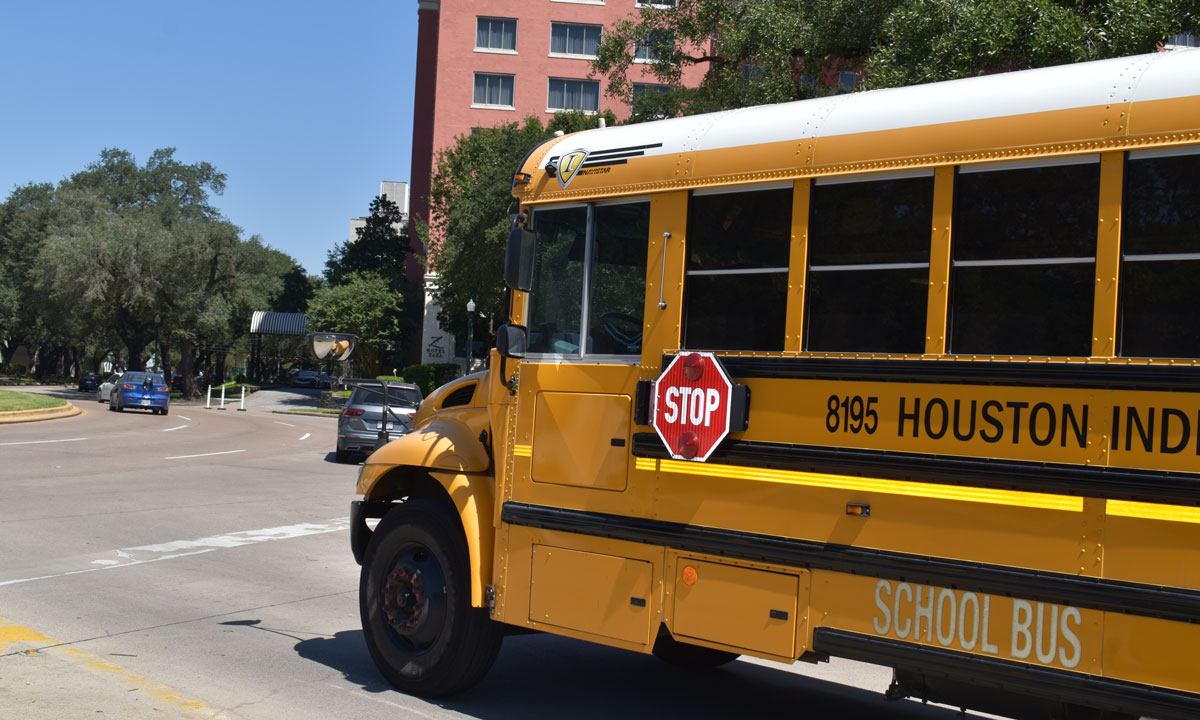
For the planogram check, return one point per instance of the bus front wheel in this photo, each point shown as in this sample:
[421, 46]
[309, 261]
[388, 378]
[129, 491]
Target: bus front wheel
[414, 599]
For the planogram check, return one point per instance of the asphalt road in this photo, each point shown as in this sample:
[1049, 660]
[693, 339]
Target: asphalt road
[197, 565]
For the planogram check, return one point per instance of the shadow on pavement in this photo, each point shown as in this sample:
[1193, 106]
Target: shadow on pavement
[549, 676]
[356, 459]
[347, 653]
[293, 397]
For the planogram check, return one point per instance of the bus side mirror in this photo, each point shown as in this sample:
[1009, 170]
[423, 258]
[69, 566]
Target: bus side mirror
[511, 341]
[333, 347]
[518, 259]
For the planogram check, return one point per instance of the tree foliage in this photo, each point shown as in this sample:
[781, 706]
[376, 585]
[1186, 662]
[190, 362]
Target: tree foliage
[363, 304]
[763, 51]
[470, 202]
[24, 220]
[930, 40]
[381, 246]
[132, 253]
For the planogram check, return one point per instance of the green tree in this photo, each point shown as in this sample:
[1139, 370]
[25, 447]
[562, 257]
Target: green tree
[382, 246]
[764, 51]
[929, 40]
[25, 217]
[365, 305]
[470, 203]
[109, 266]
[753, 52]
[298, 289]
[126, 238]
[140, 251]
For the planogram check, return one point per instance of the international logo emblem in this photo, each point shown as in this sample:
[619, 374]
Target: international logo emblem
[568, 166]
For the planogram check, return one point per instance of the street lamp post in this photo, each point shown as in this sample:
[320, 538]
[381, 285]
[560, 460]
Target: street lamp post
[157, 349]
[470, 331]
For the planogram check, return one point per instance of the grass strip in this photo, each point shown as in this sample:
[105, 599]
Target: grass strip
[12, 400]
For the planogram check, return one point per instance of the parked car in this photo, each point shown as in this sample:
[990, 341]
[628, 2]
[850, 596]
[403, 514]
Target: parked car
[304, 378]
[89, 382]
[143, 390]
[104, 392]
[361, 419]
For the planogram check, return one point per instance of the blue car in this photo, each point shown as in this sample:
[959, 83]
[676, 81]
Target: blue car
[140, 390]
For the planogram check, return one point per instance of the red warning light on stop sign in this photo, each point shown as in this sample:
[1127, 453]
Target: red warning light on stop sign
[692, 402]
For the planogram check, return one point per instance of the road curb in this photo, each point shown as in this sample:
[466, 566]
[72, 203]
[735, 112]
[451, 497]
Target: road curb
[305, 414]
[54, 413]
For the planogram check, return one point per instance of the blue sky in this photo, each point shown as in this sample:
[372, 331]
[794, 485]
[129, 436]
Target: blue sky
[305, 106]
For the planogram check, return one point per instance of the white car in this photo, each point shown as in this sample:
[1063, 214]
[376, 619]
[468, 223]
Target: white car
[104, 392]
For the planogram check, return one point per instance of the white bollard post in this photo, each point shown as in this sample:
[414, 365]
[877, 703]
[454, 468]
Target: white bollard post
[222, 398]
[243, 407]
[208, 402]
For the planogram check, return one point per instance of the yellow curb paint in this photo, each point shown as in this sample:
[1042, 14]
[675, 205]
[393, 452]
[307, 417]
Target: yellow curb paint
[40, 414]
[11, 634]
[162, 693]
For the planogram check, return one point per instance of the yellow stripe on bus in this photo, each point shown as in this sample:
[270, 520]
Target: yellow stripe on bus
[890, 487]
[1153, 511]
[523, 451]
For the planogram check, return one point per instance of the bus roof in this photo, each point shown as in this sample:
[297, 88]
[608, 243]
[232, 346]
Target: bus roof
[1084, 107]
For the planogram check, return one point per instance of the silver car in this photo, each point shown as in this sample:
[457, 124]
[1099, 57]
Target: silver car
[361, 420]
[104, 392]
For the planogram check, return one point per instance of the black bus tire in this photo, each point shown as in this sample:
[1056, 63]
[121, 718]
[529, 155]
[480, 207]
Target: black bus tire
[415, 603]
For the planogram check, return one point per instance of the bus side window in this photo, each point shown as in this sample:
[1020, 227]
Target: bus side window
[1023, 258]
[868, 272]
[1160, 255]
[555, 301]
[737, 269]
[604, 247]
[616, 297]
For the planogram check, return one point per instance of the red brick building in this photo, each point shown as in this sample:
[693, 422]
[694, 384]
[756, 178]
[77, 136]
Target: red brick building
[486, 62]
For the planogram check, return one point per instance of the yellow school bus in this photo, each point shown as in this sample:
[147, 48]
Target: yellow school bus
[955, 336]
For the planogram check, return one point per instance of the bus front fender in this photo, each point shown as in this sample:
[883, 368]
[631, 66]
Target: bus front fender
[445, 444]
[445, 458]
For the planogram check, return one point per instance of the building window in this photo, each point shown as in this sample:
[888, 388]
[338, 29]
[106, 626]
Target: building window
[653, 105]
[639, 88]
[574, 39]
[846, 80]
[868, 264]
[496, 34]
[1023, 258]
[1183, 40]
[493, 90]
[655, 3]
[735, 291]
[573, 95]
[643, 51]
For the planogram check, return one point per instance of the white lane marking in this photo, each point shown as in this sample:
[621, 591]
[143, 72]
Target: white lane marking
[246, 537]
[305, 436]
[143, 554]
[223, 452]
[39, 442]
[105, 567]
[283, 423]
[177, 427]
[185, 418]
